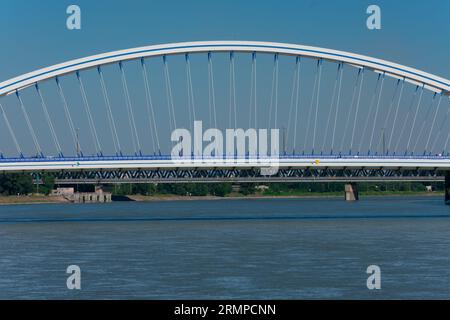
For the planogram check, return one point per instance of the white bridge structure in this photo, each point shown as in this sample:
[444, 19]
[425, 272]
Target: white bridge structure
[166, 162]
[340, 114]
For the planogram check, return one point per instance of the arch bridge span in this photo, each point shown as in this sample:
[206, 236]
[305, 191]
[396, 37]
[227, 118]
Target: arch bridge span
[415, 76]
[417, 139]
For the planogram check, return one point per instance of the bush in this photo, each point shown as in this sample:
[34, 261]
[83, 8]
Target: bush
[16, 183]
[220, 189]
[247, 188]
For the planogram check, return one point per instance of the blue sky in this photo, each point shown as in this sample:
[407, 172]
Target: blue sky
[413, 32]
[34, 34]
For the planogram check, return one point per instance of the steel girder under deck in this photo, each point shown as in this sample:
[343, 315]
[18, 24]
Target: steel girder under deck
[216, 175]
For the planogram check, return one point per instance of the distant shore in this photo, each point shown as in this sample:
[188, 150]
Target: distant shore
[229, 197]
[37, 199]
[283, 196]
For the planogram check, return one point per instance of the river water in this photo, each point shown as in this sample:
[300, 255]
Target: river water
[240, 249]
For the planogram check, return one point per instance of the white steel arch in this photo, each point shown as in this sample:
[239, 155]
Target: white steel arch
[430, 81]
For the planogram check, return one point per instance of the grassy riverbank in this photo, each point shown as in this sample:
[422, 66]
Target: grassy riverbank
[30, 199]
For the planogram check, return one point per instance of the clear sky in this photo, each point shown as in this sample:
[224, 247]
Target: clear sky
[33, 34]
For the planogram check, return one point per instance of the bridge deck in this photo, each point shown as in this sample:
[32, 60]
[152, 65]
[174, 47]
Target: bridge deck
[166, 162]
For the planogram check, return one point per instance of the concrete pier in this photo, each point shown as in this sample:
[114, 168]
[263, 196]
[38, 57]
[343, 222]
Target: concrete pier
[90, 197]
[447, 187]
[98, 196]
[351, 192]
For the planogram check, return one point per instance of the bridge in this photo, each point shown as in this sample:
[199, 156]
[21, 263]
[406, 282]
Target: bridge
[108, 118]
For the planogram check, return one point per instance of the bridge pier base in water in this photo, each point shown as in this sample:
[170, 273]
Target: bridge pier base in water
[351, 191]
[447, 187]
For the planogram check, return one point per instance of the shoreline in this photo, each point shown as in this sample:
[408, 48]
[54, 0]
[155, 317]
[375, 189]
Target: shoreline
[31, 199]
[141, 198]
[42, 199]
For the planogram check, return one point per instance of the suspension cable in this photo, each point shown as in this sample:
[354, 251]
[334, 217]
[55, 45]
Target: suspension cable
[376, 111]
[172, 119]
[190, 89]
[444, 120]
[434, 121]
[272, 94]
[347, 122]
[232, 93]
[330, 111]
[11, 131]
[67, 113]
[250, 105]
[310, 108]
[317, 105]
[90, 119]
[369, 113]
[49, 121]
[337, 107]
[424, 121]
[253, 101]
[391, 105]
[212, 96]
[446, 143]
[415, 117]
[297, 91]
[292, 102]
[30, 127]
[396, 114]
[209, 93]
[112, 124]
[230, 89]
[356, 110]
[191, 103]
[150, 110]
[413, 98]
[276, 91]
[134, 134]
[254, 89]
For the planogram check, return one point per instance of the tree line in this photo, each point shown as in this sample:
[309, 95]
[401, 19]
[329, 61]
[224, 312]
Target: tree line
[22, 184]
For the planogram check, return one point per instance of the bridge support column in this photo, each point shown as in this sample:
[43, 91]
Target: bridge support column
[447, 187]
[351, 191]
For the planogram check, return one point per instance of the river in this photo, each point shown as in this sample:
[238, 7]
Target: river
[227, 249]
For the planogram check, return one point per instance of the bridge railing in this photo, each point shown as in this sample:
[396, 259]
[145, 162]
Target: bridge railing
[193, 158]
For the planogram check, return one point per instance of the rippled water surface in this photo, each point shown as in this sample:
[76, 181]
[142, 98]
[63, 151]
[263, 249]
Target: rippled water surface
[262, 249]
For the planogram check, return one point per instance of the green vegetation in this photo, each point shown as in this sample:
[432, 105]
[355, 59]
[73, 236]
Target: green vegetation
[365, 188]
[14, 184]
[180, 189]
[271, 189]
[23, 184]
[48, 183]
